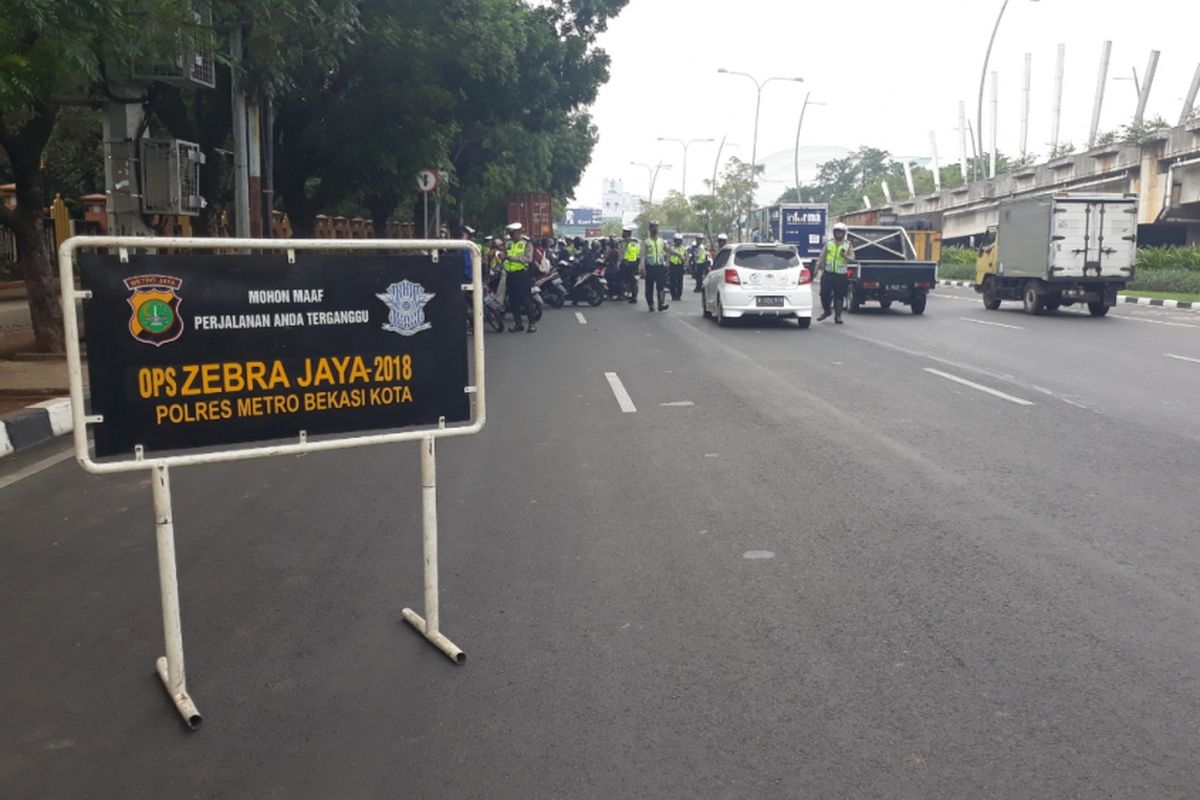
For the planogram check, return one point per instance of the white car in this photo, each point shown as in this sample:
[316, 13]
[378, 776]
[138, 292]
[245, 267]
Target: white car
[765, 280]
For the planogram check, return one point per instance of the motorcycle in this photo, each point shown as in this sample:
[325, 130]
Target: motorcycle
[498, 306]
[552, 289]
[583, 285]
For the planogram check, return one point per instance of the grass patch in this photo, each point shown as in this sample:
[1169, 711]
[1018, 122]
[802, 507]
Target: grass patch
[1193, 298]
[956, 272]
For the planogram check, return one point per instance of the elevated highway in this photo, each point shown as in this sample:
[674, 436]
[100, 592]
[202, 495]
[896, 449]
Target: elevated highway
[1163, 171]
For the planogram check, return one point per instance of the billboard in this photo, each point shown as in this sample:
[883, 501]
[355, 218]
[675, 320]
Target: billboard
[199, 350]
[582, 217]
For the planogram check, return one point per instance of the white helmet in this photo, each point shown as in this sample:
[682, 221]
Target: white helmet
[840, 226]
[722, 237]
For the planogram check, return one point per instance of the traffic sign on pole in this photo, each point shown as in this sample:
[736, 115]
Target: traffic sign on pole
[427, 180]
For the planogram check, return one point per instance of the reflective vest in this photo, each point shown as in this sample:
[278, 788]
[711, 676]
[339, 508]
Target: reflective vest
[516, 249]
[676, 255]
[654, 251]
[835, 256]
[632, 251]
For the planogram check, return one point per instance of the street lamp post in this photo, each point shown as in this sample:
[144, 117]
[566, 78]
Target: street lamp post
[686, 145]
[799, 125]
[652, 176]
[758, 87]
[983, 77]
[717, 162]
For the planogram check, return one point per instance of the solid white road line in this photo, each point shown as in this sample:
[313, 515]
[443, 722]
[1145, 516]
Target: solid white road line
[618, 390]
[1132, 318]
[35, 468]
[978, 386]
[579, 316]
[993, 324]
[1182, 358]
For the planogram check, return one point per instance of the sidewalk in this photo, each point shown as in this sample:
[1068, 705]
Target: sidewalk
[33, 402]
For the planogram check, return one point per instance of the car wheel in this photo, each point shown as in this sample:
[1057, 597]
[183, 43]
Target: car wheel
[722, 320]
[704, 304]
[803, 322]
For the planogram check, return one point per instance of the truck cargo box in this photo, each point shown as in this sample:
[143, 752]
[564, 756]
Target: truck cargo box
[1068, 237]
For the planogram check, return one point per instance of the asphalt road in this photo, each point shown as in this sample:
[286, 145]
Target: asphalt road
[810, 564]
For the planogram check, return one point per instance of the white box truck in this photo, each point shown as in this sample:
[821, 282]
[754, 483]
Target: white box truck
[1058, 250]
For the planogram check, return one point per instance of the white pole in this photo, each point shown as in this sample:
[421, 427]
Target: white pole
[170, 667]
[1144, 94]
[428, 626]
[908, 179]
[887, 193]
[937, 169]
[1190, 101]
[866, 201]
[241, 180]
[1101, 80]
[1025, 105]
[1056, 111]
[995, 122]
[962, 140]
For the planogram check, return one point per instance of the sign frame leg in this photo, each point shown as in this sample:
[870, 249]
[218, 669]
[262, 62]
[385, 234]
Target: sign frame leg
[428, 626]
[170, 667]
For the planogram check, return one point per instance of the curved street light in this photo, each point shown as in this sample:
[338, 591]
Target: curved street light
[652, 175]
[686, 145]
[758, 87]
[983, 77]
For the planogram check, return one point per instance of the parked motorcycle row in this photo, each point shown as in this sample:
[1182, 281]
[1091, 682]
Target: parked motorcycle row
[575, 274]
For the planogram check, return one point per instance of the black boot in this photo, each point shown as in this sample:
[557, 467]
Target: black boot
[824, 315]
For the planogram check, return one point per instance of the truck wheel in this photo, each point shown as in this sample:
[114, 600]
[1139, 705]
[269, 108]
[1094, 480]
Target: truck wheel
[990, 301]
[854, 300]
[1031, 298]
[1097, 309]
[918, 304]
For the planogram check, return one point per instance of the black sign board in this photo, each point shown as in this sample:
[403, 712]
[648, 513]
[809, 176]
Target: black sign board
[189, 351]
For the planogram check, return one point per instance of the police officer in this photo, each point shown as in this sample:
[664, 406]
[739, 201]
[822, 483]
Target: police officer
[832, 266]
[654, 268]
[676, 258]
[517, 258]
[631, 255]
[700, 261]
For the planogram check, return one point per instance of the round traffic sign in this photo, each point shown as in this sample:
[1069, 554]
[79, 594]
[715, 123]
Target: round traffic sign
[427, 180]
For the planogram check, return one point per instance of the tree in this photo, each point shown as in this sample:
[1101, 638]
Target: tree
[54, 51]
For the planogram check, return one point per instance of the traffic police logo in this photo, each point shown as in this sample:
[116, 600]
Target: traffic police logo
[406, 301]
[155, 317]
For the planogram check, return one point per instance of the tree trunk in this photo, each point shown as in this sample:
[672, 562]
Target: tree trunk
[24, 150]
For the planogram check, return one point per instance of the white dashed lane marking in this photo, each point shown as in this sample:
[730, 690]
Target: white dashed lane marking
[579, 316]
[978, 387]
[618, 390]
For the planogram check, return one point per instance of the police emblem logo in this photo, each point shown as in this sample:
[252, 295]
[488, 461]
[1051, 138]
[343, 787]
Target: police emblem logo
[406, 308]
[154, 305]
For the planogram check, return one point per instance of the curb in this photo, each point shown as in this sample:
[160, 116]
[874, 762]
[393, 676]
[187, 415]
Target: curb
[35, 424]
[1182, 305]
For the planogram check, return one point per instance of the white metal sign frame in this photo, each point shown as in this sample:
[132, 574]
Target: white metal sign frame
[170, 667]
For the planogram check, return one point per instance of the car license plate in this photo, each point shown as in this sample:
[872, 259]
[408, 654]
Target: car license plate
[769, 302]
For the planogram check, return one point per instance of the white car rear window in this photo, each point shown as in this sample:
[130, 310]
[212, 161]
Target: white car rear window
[764, 258]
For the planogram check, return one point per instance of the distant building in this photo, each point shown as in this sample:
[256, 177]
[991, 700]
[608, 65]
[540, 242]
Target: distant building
[618, 203]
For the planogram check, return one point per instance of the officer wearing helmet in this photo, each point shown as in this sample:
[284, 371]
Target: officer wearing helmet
[654, 269]
[517, 258]
[676, 257]
[700, 261]
[833, 263]
[631, 259]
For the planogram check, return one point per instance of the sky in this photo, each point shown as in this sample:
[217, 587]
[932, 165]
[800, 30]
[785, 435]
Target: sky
[890, 72]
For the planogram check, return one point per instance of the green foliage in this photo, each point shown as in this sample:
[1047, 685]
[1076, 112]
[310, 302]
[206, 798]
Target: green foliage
[1063, 150]
[1139, 133]
[1167, 269]
[958, 255]
[74, 156]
